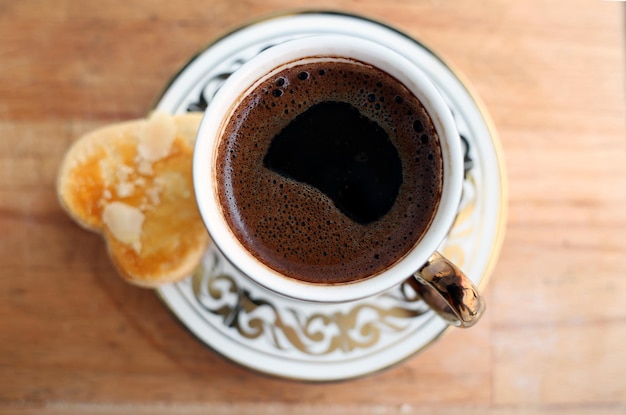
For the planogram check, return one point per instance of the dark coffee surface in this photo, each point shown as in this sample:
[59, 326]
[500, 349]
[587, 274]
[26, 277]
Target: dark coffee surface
[329, 172]
[361, 172]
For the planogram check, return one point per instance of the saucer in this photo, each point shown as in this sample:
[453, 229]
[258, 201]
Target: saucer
[292, 339]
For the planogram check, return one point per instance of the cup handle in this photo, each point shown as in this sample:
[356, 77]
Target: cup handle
[448, 291]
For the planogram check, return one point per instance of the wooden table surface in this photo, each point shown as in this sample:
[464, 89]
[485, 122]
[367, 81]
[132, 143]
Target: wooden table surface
[74, 338]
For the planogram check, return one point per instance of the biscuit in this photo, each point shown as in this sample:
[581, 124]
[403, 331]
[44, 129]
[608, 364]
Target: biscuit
[132, 183]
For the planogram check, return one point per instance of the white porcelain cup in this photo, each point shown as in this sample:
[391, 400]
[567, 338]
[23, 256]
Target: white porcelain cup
[441, 284]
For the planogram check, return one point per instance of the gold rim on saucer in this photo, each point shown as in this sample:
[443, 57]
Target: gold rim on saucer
[291, 339]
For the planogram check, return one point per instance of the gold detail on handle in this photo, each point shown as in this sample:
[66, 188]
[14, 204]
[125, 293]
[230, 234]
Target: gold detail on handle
[451, 294]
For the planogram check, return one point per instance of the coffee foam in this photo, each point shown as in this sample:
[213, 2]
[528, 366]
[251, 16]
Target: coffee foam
[295, 228]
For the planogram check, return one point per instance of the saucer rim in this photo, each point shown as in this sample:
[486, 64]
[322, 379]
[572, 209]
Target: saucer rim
[502, 209]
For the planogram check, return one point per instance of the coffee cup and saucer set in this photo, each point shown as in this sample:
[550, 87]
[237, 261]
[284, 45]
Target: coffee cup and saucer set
[245, 310]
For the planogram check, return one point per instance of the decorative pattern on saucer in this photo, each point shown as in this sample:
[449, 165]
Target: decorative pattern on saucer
[323, 342]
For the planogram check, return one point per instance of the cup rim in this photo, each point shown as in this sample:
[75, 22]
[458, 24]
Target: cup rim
[279, 57]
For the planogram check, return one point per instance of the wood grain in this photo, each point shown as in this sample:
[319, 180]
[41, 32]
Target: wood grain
[75, 339]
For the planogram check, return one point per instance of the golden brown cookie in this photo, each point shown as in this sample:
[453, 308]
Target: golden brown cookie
[132, 182]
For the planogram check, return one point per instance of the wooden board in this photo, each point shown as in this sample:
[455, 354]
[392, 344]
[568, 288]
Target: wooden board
[74, 338]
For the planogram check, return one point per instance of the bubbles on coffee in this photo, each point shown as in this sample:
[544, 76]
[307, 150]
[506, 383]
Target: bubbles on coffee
[333, 178]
